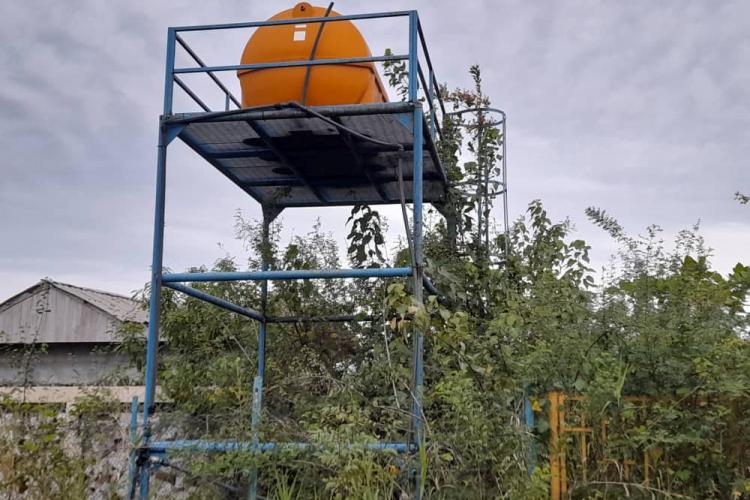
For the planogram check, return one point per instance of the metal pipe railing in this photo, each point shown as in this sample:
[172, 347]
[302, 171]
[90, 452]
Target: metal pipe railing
[418, 80]
[429, 64]
[297, 274]
[213, 77]
[427, 88]
[279, 112]
[296, 20]
[192, 94]
[224, 446]
[293, 64]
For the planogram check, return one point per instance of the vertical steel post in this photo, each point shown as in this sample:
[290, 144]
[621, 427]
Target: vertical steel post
[505, 186]
[258, 382]
[413, 57]
[418, 340]
[156, 264]
[155, 300]
[169, 72]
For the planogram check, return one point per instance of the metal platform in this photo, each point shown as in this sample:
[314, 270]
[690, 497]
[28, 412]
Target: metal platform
[284, 157]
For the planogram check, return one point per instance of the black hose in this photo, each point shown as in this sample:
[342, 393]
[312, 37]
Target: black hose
[308, 70]
[394, 145]
[402, 196]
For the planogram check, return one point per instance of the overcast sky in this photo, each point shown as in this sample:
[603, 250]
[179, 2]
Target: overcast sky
[639, 107]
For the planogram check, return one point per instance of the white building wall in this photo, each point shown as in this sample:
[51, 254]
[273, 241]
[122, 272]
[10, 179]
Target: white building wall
[51, 316]
[65, 364]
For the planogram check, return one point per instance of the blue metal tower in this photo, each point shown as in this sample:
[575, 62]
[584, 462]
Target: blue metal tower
[286, 156]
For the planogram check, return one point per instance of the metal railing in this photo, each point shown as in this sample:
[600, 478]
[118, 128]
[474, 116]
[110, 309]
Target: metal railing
[419, 77]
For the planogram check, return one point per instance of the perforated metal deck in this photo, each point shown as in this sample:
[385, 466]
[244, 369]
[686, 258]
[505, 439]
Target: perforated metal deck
[285, 157]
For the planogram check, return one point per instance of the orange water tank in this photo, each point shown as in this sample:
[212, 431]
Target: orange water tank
[328, 84]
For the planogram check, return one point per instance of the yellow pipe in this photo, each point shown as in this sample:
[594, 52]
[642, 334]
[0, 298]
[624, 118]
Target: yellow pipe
[554, 459]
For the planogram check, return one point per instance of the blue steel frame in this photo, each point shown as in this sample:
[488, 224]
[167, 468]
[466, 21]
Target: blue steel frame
[149, 454]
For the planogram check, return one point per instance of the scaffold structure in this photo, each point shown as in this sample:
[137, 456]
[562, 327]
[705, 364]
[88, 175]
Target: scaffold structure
[290, 155]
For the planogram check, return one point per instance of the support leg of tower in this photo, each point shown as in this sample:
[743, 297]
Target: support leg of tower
[269, 214]
[143, 463]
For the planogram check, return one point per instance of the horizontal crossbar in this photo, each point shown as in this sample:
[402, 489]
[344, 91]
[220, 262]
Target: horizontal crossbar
[344, 318]
[278, 112]
[292, 64]
[225, 446]
[299, 274]
[282, 22]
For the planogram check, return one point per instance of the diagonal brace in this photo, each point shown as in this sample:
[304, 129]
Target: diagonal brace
[224, 304]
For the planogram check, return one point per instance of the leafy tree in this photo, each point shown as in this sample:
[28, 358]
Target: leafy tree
[516, 313]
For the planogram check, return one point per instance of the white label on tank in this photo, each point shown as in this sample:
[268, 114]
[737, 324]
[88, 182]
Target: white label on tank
[299, 36]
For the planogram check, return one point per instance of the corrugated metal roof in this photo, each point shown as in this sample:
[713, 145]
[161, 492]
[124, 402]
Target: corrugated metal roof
[121, 307]
[53, 312]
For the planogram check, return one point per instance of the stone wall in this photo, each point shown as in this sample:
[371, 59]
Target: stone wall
[72, 448]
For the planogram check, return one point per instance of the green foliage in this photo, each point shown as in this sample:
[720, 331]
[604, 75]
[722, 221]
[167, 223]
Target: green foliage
[667, 327]
[397, 74]
[45, 451]
[516, 311]
[475, 184]
[366, 238]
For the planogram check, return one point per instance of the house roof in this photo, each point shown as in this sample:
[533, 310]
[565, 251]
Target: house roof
[120, 307]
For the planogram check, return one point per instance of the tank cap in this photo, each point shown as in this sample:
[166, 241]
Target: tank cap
[302, 9]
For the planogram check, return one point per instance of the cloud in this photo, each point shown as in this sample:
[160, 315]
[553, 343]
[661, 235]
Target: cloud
[639, 107]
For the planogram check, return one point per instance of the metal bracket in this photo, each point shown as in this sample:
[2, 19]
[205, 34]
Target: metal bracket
[171, 132]
[407, 120]
[270, 212]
